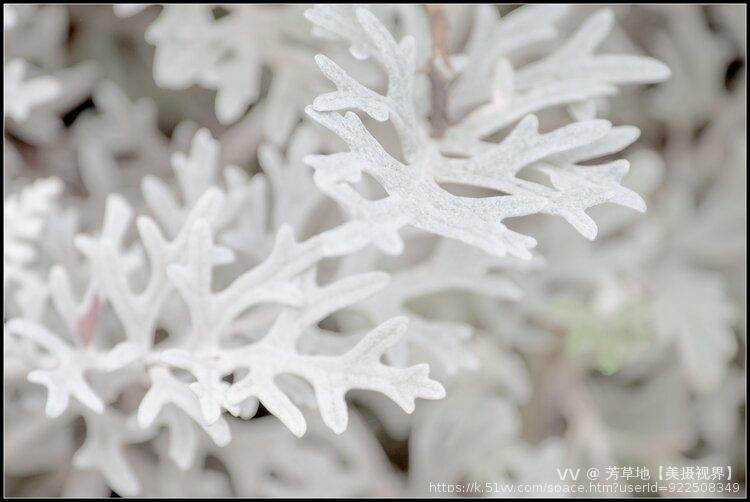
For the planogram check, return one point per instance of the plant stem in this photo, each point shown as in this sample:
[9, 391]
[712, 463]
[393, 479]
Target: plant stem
[438, 81]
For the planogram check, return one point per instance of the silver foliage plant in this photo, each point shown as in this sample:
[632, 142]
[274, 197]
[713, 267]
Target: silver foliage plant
[361, 220]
